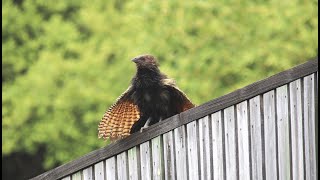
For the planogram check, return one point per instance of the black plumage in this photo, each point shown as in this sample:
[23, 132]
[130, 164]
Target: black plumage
[150, 98]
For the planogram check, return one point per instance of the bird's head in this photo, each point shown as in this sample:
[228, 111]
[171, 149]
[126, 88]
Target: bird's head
[145, 61]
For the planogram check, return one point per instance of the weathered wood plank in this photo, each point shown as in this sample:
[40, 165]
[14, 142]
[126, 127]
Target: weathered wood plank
[181, 119]
[87, 173]
[169, 158]
[99, 172]
[157, 164]
[243, 140]
[317, 123]
[192, 142]
[66, 178]
[296, 130]
[205, 148]
[122, 166]
[76, 176]
[181, 152]
[217, 146]
[145, 155]
[309, 126]
[111, 168]
[256, 138]
[133, 164]
[230, 143]
[283, 133]
[250, 91]
[270, 151]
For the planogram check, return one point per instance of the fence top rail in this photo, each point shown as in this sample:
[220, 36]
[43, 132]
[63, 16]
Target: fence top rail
[190, 115]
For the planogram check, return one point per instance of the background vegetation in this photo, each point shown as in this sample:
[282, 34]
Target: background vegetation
[65, 62]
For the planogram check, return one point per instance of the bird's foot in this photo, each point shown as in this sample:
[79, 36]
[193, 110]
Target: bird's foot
[143, 128]
[146, 125]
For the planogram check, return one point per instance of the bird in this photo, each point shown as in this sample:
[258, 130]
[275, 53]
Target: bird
[150, 98]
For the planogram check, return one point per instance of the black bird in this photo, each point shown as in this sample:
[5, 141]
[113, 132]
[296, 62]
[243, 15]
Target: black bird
[150, 98]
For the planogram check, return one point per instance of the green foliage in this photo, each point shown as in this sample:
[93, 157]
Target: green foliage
[65, 62]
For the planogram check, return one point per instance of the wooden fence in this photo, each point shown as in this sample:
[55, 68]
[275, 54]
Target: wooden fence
[267, 130]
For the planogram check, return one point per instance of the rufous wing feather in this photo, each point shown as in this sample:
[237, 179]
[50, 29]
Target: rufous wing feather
[119, 118]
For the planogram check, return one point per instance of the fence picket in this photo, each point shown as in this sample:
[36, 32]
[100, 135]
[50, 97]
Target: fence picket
[243, 140]
[309, 126]
[270, 151]
[256, 138]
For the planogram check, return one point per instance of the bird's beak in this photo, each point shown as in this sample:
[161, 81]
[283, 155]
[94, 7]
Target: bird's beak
[135, 60]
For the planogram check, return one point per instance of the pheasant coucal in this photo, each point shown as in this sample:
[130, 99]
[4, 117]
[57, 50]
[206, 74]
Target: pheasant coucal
[150, 98]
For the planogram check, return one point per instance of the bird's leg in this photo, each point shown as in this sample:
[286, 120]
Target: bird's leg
[137, 125]
[146, 125]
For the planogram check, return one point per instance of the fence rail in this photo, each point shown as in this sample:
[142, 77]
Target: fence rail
[267, 130]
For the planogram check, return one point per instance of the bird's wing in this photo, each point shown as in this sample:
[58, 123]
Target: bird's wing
[118, 119]
[183, 101]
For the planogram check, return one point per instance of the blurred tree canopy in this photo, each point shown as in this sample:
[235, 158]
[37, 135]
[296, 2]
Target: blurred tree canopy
[65, 62]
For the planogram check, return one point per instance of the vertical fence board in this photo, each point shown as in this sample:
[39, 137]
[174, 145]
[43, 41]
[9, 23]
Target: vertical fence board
[122, 166]
[192, 140]
[256, 138]
[217, 146]
[243, 140]
[66, 178]
[316, 124]
[270, 136]
[283, 133]
[181, 154]
[99, 171]
[111, 168]
[230, 143]
[205, 151]
[309, 126]
[76, 176]
[145, 156]
[169, 158]
[133, 164]
[296, 130]
[87, 173]
[157, 158]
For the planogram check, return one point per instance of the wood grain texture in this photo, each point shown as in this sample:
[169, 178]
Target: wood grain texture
[283, 133]
[169, 157]
[217, 146]
[133, 164]
[270, 150]
[256, 138]
[99, 171]
[111, 168]
[205, 144]
[250, 91]
[66, 178]
[317, 123]
[122, 166]
[87, 173]
[296, 130]
[181, 152]
[243, 140]
[309, 126]
[193, 155]
[181, 119]
[76, 176]
[230, 143]
[157, 164]
[145, 155]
